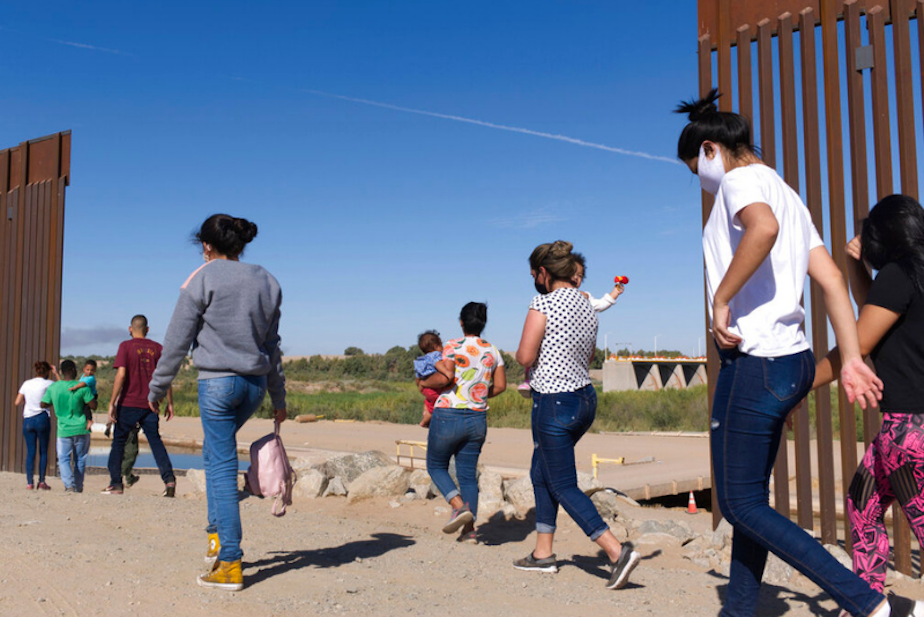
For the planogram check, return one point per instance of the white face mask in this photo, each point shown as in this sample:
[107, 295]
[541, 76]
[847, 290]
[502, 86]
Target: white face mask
[710, 171]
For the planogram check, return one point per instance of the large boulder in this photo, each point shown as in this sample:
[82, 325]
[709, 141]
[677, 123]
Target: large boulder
[351, 466]
[379, 482]
[490, 493]
[335, 488]
[311, 484]
[520, 495]
[676, 529]
[419, 482]
[605, 503]
[588, 483]
[196, 478]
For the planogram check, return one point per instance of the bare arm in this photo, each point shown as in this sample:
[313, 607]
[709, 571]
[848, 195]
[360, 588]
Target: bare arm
[859, 381]
[80, 384]
[531, 339]
[873, 324]
[116, 392]
[857, 273]
[169, 415]
[20, 399]
[445, 373]
[499, 384]
[760, 231]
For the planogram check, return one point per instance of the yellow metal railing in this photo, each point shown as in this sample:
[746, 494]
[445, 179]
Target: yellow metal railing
[596, 460]
[411, 445]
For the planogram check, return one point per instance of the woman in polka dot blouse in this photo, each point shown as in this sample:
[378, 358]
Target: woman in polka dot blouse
[558, 343]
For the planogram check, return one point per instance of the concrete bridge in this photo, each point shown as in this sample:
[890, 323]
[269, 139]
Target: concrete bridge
[652, 373]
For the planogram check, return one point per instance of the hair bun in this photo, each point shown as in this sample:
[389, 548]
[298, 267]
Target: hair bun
[245, 229]
[698, 109]
[560, 248]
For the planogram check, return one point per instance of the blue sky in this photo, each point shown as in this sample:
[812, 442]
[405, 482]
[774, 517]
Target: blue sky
[379, 221]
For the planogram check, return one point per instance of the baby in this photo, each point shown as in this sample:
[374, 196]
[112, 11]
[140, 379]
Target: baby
[432, 347]
[88, 380]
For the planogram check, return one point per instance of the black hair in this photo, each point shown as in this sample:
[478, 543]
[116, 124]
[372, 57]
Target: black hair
[139, 322]
[708, 123]
[429, 341]
[474, 316]
[226, 234]
[68, 369]
[90, 362]
[894, 233]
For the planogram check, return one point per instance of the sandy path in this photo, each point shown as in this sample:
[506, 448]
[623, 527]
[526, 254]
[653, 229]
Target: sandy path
[138, 554]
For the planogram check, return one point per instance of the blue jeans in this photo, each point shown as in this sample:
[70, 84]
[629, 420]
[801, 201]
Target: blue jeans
[459, 433]
[225, 404]
[126, 419]
[753, 396]
[36, 430]
[79, 446]
[559, 421]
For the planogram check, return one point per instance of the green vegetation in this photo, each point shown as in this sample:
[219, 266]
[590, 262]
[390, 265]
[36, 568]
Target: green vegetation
[370, 387]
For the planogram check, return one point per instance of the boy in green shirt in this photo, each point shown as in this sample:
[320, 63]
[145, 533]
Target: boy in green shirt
[74, 421]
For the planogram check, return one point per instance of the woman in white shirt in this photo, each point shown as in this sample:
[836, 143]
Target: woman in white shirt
[759, 243]
[36, 424]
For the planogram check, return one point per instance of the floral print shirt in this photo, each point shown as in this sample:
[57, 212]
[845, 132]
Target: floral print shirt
[475, 360]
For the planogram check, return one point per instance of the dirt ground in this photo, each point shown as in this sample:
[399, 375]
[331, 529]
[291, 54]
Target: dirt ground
[139, 554]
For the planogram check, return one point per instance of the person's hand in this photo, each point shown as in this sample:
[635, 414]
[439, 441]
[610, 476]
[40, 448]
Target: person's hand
[617, 290]
[89, 424]
[154, 406]
[72, 388]
[280, 415]
[721, 318]
[54, 370]
[113, 418]
[169, 415]
[854, 249]
[861, 383]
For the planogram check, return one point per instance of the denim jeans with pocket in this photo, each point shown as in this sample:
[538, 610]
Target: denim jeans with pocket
[225, 404]
[558, 422]
[74, 449]
[753, 396]
[460, 433]
[36, 430]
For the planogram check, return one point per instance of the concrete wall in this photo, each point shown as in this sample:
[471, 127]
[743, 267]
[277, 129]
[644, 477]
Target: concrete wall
[620, 375]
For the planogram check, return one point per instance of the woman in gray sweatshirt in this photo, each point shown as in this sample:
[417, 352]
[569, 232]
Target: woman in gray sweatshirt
[228, 312]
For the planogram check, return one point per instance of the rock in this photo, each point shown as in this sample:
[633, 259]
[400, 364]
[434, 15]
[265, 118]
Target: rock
[490, 493]
[661, 539]
[619, 530]
[419, 482]
[588, 483]
[196, 477]
[508, 511]
[351, 466]
[520, 495]
[606, 505]
[777, 570]
[678, 529]
[379, 482]
[840, 554]
[335, 488]
[722, 535]
[311, 484]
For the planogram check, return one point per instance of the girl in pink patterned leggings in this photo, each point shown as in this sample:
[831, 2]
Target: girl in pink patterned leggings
[891, 330]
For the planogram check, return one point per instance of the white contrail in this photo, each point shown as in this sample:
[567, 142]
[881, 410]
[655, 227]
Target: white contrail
[91, 47]
[492, 125]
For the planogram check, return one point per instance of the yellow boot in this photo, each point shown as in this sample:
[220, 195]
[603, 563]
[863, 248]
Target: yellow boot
[214, 546]
[225, 575]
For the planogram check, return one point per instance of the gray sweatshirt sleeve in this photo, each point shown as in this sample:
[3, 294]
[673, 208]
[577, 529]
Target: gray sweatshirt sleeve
[180, 335]
[275, 378]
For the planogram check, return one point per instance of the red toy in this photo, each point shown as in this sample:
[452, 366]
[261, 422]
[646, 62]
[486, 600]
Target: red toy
[621, 280]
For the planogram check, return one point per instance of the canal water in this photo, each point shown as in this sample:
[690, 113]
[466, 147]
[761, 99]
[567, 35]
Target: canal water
[180, 458]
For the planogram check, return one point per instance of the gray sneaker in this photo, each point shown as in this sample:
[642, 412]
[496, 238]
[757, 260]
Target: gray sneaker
[623, 567]
[459, 518]
[530, 563]
[905, 607]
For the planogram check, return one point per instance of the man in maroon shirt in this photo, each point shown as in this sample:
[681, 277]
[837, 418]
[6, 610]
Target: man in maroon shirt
[135, 362]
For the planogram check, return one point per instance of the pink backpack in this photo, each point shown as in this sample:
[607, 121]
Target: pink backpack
[270, 474]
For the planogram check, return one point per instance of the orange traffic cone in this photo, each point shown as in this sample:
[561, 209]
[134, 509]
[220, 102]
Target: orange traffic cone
[691, 504]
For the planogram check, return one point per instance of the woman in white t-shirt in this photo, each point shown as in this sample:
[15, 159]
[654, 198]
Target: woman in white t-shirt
[36, 424]
[558, 343]
[759, 243]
